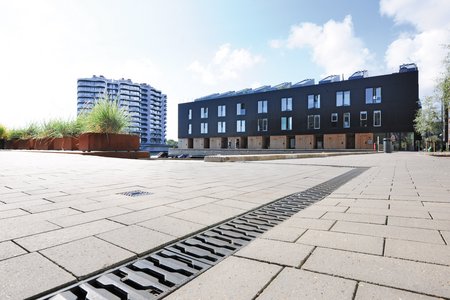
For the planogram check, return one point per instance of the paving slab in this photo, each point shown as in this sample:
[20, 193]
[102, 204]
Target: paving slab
[12, 213]
[233, 278]
[396, 273]
[419, 223]
[360, 218]
[27, 275]
[172, 226]
[375, 292]
[198, 217]
[343, 241]
[283, 253]
[9, 249]
[136, 239]
[283, 233]
[86, 256]
[308, 223]
[390, 212]
[143, 215]
[63, 235]
[431, 253]
[299, 284]
[396, 232]
[89, 216]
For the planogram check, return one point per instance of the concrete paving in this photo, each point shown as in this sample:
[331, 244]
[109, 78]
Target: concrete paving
[383, 235]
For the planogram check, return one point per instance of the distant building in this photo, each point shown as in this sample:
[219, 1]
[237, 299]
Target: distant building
[333, 114]
[146, 106]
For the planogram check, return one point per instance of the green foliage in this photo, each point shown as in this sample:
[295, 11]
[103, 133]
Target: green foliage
[58, 128]
[31, 131]
[106, 117]
[427, 118]
[3, 132]
[172, 143]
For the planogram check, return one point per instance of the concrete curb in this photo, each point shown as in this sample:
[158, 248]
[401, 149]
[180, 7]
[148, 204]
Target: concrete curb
[261, 157]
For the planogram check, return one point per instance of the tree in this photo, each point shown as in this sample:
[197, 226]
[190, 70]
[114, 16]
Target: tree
[427, 121]
[172, 143]
[443, 93]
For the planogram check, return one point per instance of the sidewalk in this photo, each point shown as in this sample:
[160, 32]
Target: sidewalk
[384, 233]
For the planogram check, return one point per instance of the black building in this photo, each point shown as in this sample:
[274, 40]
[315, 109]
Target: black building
[334, 114]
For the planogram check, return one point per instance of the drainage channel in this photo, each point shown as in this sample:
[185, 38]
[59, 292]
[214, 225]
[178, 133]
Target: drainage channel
[157, 274]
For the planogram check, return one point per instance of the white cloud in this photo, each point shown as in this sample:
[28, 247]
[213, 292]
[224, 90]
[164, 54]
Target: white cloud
[424, 46]
[227, 64]
[334, 45]
[424, 15]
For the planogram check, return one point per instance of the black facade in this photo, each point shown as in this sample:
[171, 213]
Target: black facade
[397, 107]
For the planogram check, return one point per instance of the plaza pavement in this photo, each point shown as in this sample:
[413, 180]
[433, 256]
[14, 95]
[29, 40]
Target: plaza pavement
[383, 235]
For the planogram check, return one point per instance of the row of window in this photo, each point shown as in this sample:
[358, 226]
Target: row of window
[373, 95]
[313, 122]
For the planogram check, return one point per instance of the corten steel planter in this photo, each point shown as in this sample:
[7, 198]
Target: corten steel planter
[11, 144]
[108, 142]
[26, 144]
[65, 143]
[44, 144]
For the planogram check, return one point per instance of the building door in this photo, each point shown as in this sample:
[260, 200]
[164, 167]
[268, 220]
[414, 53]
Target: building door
[350, 141]
[266, 142]
[291, 142]
[223, 143]
[319, 142]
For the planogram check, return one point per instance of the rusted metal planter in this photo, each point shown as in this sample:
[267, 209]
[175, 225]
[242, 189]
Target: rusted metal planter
[108, 142]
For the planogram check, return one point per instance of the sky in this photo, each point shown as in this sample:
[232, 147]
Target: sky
[193, 48]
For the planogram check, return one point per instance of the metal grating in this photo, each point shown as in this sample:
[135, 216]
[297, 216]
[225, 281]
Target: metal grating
[163, 271]
[135, 193]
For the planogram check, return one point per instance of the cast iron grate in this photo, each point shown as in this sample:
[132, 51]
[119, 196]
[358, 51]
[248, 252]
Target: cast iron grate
[158, 274]
[135, 193]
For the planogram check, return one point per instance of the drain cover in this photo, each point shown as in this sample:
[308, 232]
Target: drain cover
[136, 193]
[158, 274]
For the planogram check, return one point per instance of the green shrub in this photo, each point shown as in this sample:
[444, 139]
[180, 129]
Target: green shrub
[15, 133]
[3, 132]
[31, 131]
[107, 117]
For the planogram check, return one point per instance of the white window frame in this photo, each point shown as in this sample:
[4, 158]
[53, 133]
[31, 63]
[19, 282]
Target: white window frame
[240, 109]
[286, 104]
[361, 113]
[204, 113]
[190, 114]
[221, 111]
[240, 126]
[313, 101]
[263, 124]
[310, 122]
[262, 107]
[374, 118]
[189, 128]
[287, 122]
[373, 95]
[204, 128]
[317, 121]
[363, 120]
[346, 115]
[343, 98]
[221, 127]
[336, 119]
[347, 100]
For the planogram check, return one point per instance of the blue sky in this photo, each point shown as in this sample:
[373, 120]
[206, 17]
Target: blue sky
[190, 49]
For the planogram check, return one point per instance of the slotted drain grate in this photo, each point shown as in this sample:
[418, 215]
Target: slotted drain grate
[161, 272]
[136, 193]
